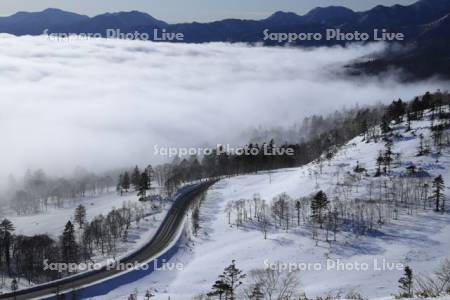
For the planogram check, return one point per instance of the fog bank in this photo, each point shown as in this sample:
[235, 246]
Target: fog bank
[101, 104]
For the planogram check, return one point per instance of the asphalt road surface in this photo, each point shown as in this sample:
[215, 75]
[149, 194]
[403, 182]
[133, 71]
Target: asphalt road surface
[161, 241]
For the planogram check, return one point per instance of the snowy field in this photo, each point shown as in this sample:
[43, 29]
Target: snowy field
[421, 240]
[52, 222]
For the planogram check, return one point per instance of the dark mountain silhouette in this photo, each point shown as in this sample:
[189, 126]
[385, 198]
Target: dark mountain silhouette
[124, 21]
[439, 29]
[284, 18]
[408, 19]
[23, 23]
[331, 16]
[426, 56]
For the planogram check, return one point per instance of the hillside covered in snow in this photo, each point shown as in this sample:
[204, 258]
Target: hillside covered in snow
[345, 225]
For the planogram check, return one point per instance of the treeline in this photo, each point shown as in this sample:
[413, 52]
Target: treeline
[313, 126]
[25, 256]
[315, 136]
[139, 181]
[256, 157]
[325, 216]
[415, 109]
[37, 191]
[385, 197]
[428, 107]
[102, 234]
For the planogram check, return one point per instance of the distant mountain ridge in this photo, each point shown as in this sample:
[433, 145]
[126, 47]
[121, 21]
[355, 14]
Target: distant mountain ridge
[425, 25]
[27, 23]
[408, 19]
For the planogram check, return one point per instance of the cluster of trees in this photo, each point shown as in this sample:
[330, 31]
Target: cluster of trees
[140, 182]
[195, 214]
[434, 104]
[318, 139]
[425, 286]
[38, 191]
[385, 199]
[308, 141]
[440, 122]
[147, 296]
[424, 146]
[338, 130]
[23, 256]
[385, 159]
[313, 126]
[102, 234]
[263, 284]
[355, 120]
[440, 135]
[415, 110]
[316, 135]
[272, 283]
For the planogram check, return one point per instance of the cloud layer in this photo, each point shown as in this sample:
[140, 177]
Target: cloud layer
[105, 103]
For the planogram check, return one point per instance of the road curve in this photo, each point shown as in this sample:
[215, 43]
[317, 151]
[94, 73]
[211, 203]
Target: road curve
[99, 282]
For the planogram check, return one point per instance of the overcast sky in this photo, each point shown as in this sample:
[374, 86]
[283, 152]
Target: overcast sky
[189, 10]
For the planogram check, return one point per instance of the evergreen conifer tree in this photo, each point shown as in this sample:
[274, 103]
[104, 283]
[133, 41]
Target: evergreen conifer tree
[406, 283]
[136, 178]
[318, 204]
[69, 247]
[228, 282]
[438, 185]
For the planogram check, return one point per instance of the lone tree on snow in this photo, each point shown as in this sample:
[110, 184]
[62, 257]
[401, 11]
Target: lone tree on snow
[228, 282]
[80, 215]
[136, 178]
[256, 293]
[148, 295]
[69, 247]
[6, 229]
[438, 185]
[406, 283]
[144, 186]
[125, 184]
[14, 287]
[318, 205]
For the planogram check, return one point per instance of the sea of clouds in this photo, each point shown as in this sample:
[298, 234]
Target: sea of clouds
[102, 103]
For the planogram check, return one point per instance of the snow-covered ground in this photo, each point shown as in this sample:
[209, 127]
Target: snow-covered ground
[54, 219]
[420, 240]
[52, 222]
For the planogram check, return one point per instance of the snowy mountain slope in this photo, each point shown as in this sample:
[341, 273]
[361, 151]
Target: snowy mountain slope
[419, 238]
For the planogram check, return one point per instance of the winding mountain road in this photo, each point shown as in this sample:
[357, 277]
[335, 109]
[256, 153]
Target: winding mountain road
[99, 282]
